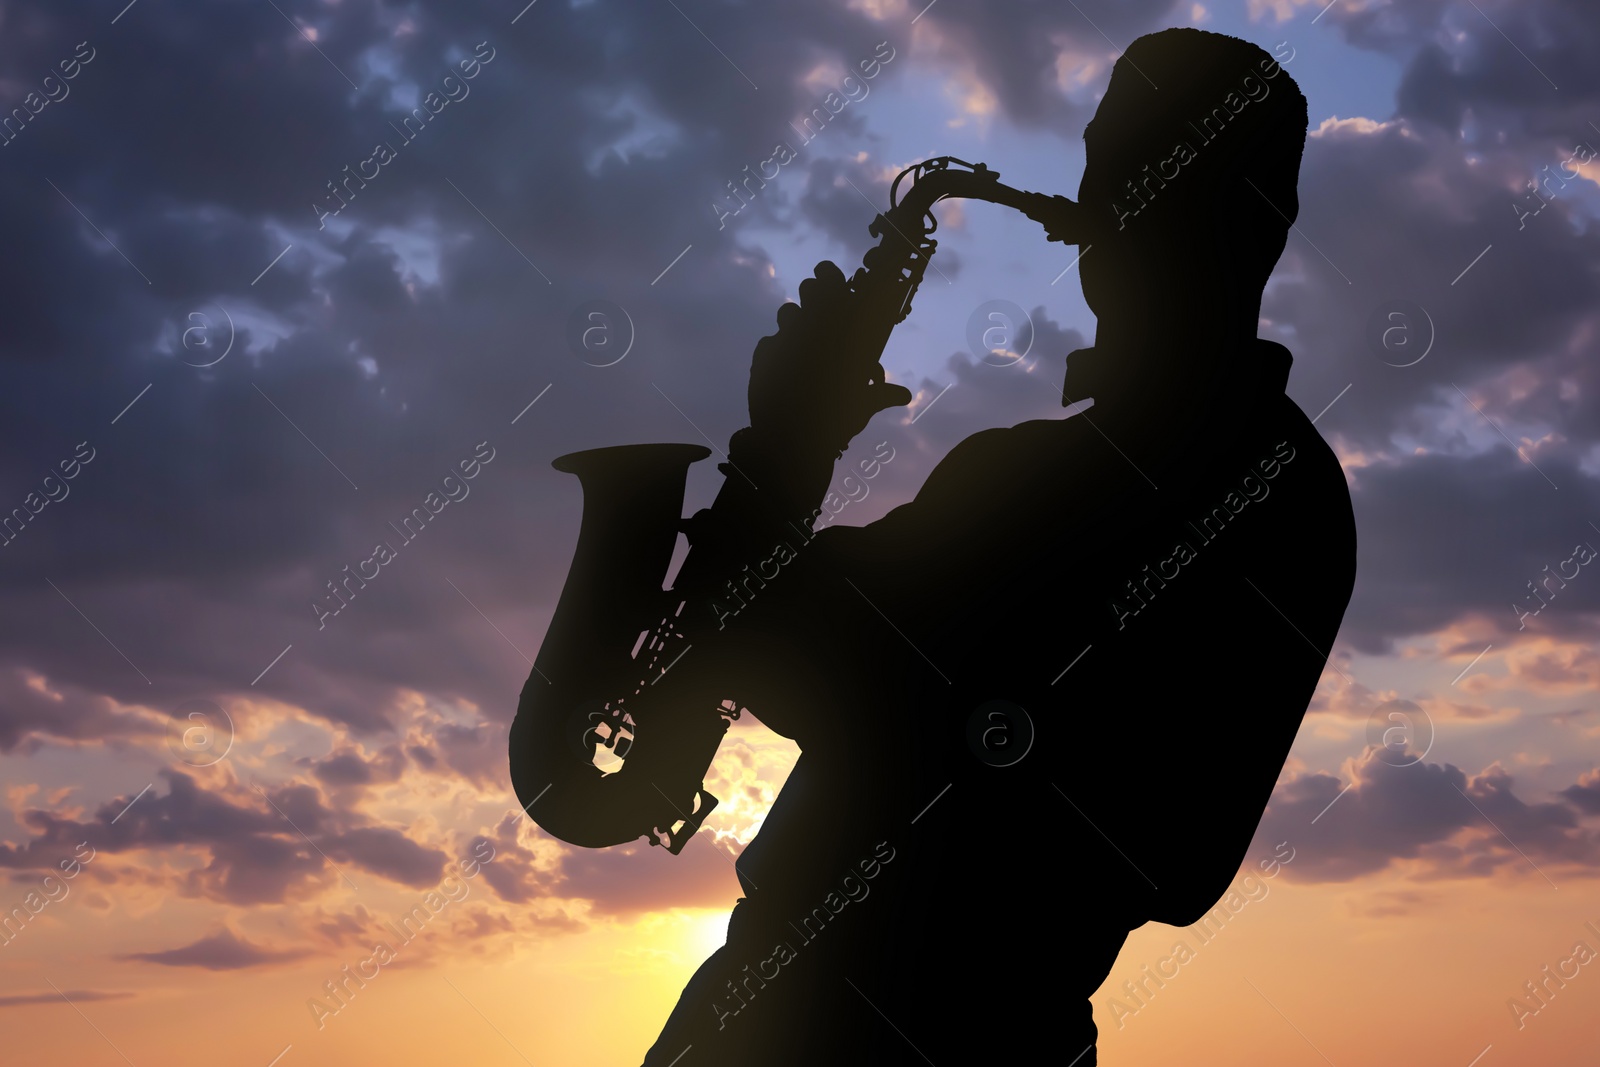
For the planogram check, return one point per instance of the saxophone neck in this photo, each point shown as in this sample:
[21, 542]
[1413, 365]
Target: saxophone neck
[946, 176]
[904, 231]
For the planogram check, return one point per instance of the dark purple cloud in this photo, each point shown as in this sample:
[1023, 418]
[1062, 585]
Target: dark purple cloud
[513, 874]
[260, 846]
[476, 752]
[223, 951]
[379, 351]
[349, 767]
[1424, 811]
[209, 497]
[33, 710]
[388, 852]
[1584, 794]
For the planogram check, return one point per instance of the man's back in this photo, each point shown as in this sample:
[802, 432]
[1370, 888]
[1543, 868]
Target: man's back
[1156, 617]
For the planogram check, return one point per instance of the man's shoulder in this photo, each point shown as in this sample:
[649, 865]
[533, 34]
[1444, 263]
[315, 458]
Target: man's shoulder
[1000, 457]
[1032, 434]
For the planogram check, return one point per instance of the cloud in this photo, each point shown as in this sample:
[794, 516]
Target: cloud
[517, 874]
[389, 852]
[75, 996]
[258, 846]
[1387, 904]
[259, 870]
[351, 767]
[1358, 703]
[223, 951]
[475, 751]
[35, 709]
[1433, 818]
[1585, 793]
[1415, 577]
[630, 879]
[222, 493]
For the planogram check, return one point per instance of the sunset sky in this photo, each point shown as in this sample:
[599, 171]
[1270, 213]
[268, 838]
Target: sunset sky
[222, 385]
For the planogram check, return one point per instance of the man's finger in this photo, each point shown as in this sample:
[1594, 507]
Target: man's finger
[829, 272]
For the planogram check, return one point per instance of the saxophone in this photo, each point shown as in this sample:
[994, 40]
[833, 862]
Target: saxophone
[616, 633]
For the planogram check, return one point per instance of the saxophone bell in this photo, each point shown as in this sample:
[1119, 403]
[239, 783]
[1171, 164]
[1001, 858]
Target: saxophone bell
[581, 700]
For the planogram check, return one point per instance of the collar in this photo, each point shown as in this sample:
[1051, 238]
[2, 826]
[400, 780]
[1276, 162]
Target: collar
[1258, 371]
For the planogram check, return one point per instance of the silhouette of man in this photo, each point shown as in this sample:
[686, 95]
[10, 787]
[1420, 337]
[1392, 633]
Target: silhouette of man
[1138, 599]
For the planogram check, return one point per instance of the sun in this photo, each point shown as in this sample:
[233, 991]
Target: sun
[704, 933]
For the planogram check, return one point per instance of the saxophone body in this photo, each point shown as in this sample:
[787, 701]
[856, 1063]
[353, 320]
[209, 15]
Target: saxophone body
[608, 745]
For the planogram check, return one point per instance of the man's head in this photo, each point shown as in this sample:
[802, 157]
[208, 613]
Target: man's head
[1190, 183]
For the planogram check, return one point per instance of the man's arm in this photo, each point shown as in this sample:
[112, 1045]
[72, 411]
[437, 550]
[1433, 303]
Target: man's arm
[812, 390]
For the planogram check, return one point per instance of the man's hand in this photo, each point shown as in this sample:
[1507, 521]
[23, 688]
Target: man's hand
[812, 385]
[1063, 220]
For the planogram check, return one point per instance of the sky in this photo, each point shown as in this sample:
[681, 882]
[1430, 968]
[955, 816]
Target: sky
[223, 382]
